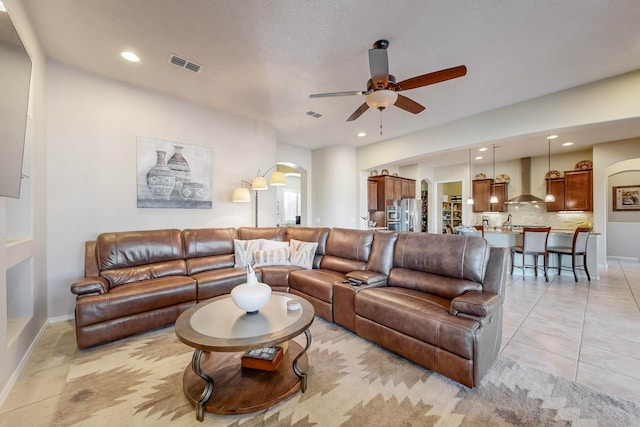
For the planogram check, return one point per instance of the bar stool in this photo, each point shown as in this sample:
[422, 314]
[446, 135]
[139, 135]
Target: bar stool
[480, 228]
[577, 248]
[534, 242]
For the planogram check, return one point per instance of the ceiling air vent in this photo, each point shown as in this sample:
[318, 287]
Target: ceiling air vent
[183, 63]
[313, 114]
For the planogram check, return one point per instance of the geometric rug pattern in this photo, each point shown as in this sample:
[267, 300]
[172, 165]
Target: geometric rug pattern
[137, 381]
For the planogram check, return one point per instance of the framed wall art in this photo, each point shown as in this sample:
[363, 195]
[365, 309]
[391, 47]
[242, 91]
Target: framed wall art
[626, 198]
[173, 175]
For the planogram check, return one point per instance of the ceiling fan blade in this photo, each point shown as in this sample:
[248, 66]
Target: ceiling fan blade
[361, 109]
[329, 94]
[379, 66]
[408, 104]
[431, 78]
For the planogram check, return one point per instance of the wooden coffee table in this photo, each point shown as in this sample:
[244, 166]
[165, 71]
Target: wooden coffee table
[220, 332]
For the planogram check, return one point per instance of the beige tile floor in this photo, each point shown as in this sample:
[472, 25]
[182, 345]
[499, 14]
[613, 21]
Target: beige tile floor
[587, 332]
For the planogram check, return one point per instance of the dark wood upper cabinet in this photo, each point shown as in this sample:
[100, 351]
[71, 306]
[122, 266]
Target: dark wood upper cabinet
[372, 195]
[391, 188]
[481, 193]
[574, 192]
[578, 190]
[556, 187]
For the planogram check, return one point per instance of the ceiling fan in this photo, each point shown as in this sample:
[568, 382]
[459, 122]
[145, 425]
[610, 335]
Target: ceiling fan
[382, 89]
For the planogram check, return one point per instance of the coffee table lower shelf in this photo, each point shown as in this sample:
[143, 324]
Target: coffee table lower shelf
[238, 390]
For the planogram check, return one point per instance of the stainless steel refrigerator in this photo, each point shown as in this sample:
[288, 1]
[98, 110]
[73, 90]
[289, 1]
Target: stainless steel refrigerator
[410, 215]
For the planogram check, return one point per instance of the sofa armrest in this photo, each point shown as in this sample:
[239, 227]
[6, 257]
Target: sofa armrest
[93, 285]
[475, 303]
[368, 277]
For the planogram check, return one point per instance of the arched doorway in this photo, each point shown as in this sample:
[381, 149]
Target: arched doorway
[291, 199]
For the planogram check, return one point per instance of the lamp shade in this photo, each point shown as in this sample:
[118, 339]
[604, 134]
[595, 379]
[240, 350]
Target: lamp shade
[241, 195]
[259, 183]
[278, 178]
[549, 198]
[493, 199]
[381, 99]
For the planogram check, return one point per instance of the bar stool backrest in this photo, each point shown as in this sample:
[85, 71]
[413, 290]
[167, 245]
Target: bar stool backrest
[534, 240]
[580, 238]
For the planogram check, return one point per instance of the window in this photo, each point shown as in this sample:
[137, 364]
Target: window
[291, 199]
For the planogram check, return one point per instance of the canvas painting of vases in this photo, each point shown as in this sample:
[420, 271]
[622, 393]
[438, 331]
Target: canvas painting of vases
[173, 174]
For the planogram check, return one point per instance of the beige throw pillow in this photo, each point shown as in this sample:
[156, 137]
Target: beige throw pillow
[244, 251]
[302, 253]
[265, 257]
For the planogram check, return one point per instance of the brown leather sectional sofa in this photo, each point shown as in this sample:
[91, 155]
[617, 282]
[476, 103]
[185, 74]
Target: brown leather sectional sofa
[433, 299]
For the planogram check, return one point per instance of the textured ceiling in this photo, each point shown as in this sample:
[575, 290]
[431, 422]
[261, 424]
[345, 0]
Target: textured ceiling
[263, 58]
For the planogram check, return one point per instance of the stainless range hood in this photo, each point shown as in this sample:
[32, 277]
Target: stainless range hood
[525, 179]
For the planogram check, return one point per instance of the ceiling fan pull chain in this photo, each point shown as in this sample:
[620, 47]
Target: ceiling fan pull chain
[381, 121]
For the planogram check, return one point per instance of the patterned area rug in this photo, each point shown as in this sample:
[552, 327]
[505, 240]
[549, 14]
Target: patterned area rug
[138, 382]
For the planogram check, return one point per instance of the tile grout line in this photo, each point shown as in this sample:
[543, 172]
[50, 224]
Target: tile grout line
[584, 319]
[528, 313]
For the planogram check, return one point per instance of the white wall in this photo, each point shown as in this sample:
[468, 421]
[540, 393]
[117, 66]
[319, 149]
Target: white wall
[335, 188]
[602, 101]
[91, 135]
[622, 228]
[32, 247]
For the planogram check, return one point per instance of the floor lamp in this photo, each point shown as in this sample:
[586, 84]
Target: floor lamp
[258, 183]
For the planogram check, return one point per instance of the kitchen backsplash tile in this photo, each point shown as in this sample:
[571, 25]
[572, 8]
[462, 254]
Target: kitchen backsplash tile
[535, 215]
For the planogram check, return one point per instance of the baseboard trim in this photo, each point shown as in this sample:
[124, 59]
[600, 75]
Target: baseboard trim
[14, 377]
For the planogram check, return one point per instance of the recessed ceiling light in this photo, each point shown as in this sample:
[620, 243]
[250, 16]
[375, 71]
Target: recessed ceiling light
[479, 158]
[483, 149]
[552, 136]
[566, 144]
[130, 56]
[361, 134]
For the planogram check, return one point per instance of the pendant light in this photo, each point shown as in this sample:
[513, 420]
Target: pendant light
[494, 198]
[549, 198]
[470, 199]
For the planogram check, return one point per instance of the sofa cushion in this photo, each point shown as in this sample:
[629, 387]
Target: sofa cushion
[218, 282]
[442, 286]
[419, 315]
[267, 233]
[133, 248]
[120, 276]
[276, 276]
[381, 257]
[317, 283]
[133, 298]
[350, 244]
[206, 242]
[465, 258]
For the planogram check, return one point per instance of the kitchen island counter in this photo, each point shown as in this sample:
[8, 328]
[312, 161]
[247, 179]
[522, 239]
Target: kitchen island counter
[557, 237]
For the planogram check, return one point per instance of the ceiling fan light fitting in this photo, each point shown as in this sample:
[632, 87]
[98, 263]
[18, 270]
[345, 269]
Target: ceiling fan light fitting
[381, 99]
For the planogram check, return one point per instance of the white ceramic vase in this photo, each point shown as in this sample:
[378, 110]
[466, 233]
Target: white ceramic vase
[251, 296]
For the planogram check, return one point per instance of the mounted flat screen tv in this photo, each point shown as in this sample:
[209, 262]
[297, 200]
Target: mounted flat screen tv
[15, 75]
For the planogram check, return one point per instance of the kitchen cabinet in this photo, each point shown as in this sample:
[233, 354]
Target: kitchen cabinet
[556, 187]
[482, 189]
[391, 189]
[372, 195]
[574, 192]
[578, 190]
